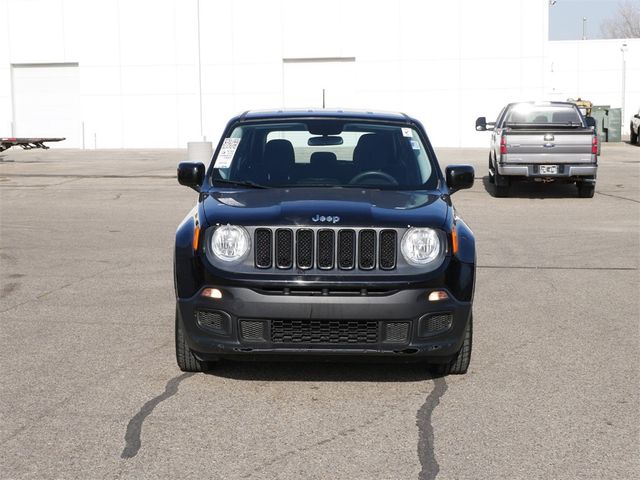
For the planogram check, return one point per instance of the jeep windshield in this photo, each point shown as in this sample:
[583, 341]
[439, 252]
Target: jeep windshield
[324, 153]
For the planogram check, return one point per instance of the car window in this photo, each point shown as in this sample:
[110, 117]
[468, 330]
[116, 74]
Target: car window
[326, 152]
[543, 114]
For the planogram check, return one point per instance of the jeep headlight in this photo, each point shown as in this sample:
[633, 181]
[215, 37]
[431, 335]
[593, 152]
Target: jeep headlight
[420, 246]
[230, 243]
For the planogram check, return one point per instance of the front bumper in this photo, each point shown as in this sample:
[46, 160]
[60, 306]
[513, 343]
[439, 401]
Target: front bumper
[410, 308]
[533, 170]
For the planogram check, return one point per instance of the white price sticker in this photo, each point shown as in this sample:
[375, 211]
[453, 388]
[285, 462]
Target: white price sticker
[227, 151]
[407, 132]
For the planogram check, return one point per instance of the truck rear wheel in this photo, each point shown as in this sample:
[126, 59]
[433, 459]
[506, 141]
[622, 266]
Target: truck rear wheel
[586, 190]
[187, 362]
[460, 363]
[491, 171]
[501, 184]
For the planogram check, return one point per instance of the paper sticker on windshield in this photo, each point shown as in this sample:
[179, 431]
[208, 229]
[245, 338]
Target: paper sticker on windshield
[227, 151]
[407, 132]
[415, 145]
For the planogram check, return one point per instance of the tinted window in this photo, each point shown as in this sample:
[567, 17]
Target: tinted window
[542, 114]
[326, 153]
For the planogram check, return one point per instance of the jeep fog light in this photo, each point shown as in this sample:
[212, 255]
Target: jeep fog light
[438, 295]
[211, 293]
[230, 243]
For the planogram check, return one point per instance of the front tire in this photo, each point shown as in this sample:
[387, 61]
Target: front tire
[187, 362]
[460, 363]
[634, 136]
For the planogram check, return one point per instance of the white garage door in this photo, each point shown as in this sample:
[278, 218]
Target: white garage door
[46, 102]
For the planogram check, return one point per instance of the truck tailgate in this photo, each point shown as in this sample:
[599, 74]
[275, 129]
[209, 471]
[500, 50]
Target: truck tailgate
[551, 146]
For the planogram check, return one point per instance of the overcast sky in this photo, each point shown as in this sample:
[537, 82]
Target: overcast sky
[565, 18]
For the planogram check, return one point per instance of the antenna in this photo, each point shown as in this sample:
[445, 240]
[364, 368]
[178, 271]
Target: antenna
[323, 98]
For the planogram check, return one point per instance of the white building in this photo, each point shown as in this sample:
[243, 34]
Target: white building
[136, 73]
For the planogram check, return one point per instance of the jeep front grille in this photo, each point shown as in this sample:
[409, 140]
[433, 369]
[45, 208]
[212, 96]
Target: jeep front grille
[325, 248]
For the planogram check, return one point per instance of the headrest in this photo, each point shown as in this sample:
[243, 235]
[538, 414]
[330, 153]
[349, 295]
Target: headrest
[323, 158]
[279, 151]
[373, 151]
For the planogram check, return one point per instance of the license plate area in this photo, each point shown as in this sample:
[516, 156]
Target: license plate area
[548, 169]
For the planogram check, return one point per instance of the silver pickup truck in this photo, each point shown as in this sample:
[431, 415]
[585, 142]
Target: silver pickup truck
[542, 142]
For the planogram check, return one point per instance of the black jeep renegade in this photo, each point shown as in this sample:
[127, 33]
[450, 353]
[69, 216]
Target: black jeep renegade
[327, 233]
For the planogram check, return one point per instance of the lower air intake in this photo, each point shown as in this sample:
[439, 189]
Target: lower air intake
[435, 323]
[213, 320]
[252, 330]
[397, 332]
[332, 332]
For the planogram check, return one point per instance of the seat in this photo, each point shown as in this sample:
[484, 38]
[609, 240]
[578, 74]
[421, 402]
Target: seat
[373, 152]
[540, 119]
[279, 160]
[323, 165]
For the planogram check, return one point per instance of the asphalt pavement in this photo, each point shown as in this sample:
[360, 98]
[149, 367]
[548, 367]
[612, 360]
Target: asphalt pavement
[90, 389]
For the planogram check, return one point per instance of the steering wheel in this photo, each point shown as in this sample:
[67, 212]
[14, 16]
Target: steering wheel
[373, 173]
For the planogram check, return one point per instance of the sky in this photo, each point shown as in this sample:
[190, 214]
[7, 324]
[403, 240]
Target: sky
[565, 18]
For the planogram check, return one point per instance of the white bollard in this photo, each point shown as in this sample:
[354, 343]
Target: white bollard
[199, 152]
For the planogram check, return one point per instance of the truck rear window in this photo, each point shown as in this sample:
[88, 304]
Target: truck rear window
[527, 113]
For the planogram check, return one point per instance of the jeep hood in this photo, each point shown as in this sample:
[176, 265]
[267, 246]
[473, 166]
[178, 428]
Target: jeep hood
[298, 206]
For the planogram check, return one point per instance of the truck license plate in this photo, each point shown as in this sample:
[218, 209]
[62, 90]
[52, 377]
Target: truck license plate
[548, 169]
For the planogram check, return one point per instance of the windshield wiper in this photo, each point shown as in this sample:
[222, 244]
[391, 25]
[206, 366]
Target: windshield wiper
[239, 183]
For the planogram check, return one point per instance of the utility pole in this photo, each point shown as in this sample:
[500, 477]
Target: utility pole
[584, 28]
[623, 49]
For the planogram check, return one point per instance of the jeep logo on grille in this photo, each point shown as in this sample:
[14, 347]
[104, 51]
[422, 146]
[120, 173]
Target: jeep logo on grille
[322, 218]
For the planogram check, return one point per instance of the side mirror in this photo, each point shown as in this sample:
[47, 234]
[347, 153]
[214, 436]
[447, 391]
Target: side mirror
[459, 177]
[637, 115]
[481, 124]
[591, 122]
[191, 174]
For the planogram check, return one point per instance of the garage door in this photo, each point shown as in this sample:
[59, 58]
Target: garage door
[46, 102]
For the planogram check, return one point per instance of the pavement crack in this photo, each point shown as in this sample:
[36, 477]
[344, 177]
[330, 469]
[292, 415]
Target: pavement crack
[618, 197]
[8, 289]
[426, 452]
[134, 428]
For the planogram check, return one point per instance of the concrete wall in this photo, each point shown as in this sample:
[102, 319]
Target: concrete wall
[444, 62]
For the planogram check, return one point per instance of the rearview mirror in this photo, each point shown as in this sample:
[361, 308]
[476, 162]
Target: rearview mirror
[591, 122]
[323, 141]
[481, 124]
[459, 177]
[191, 174]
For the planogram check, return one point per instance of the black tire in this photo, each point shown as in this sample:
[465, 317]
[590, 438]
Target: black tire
[501, 184]
[187, 362]
[501, 190]
[634, 136]
[586, 190]
[460, 363]
[491, 177]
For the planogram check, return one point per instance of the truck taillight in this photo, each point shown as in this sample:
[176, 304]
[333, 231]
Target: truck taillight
[503, 145]
[594, 145]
